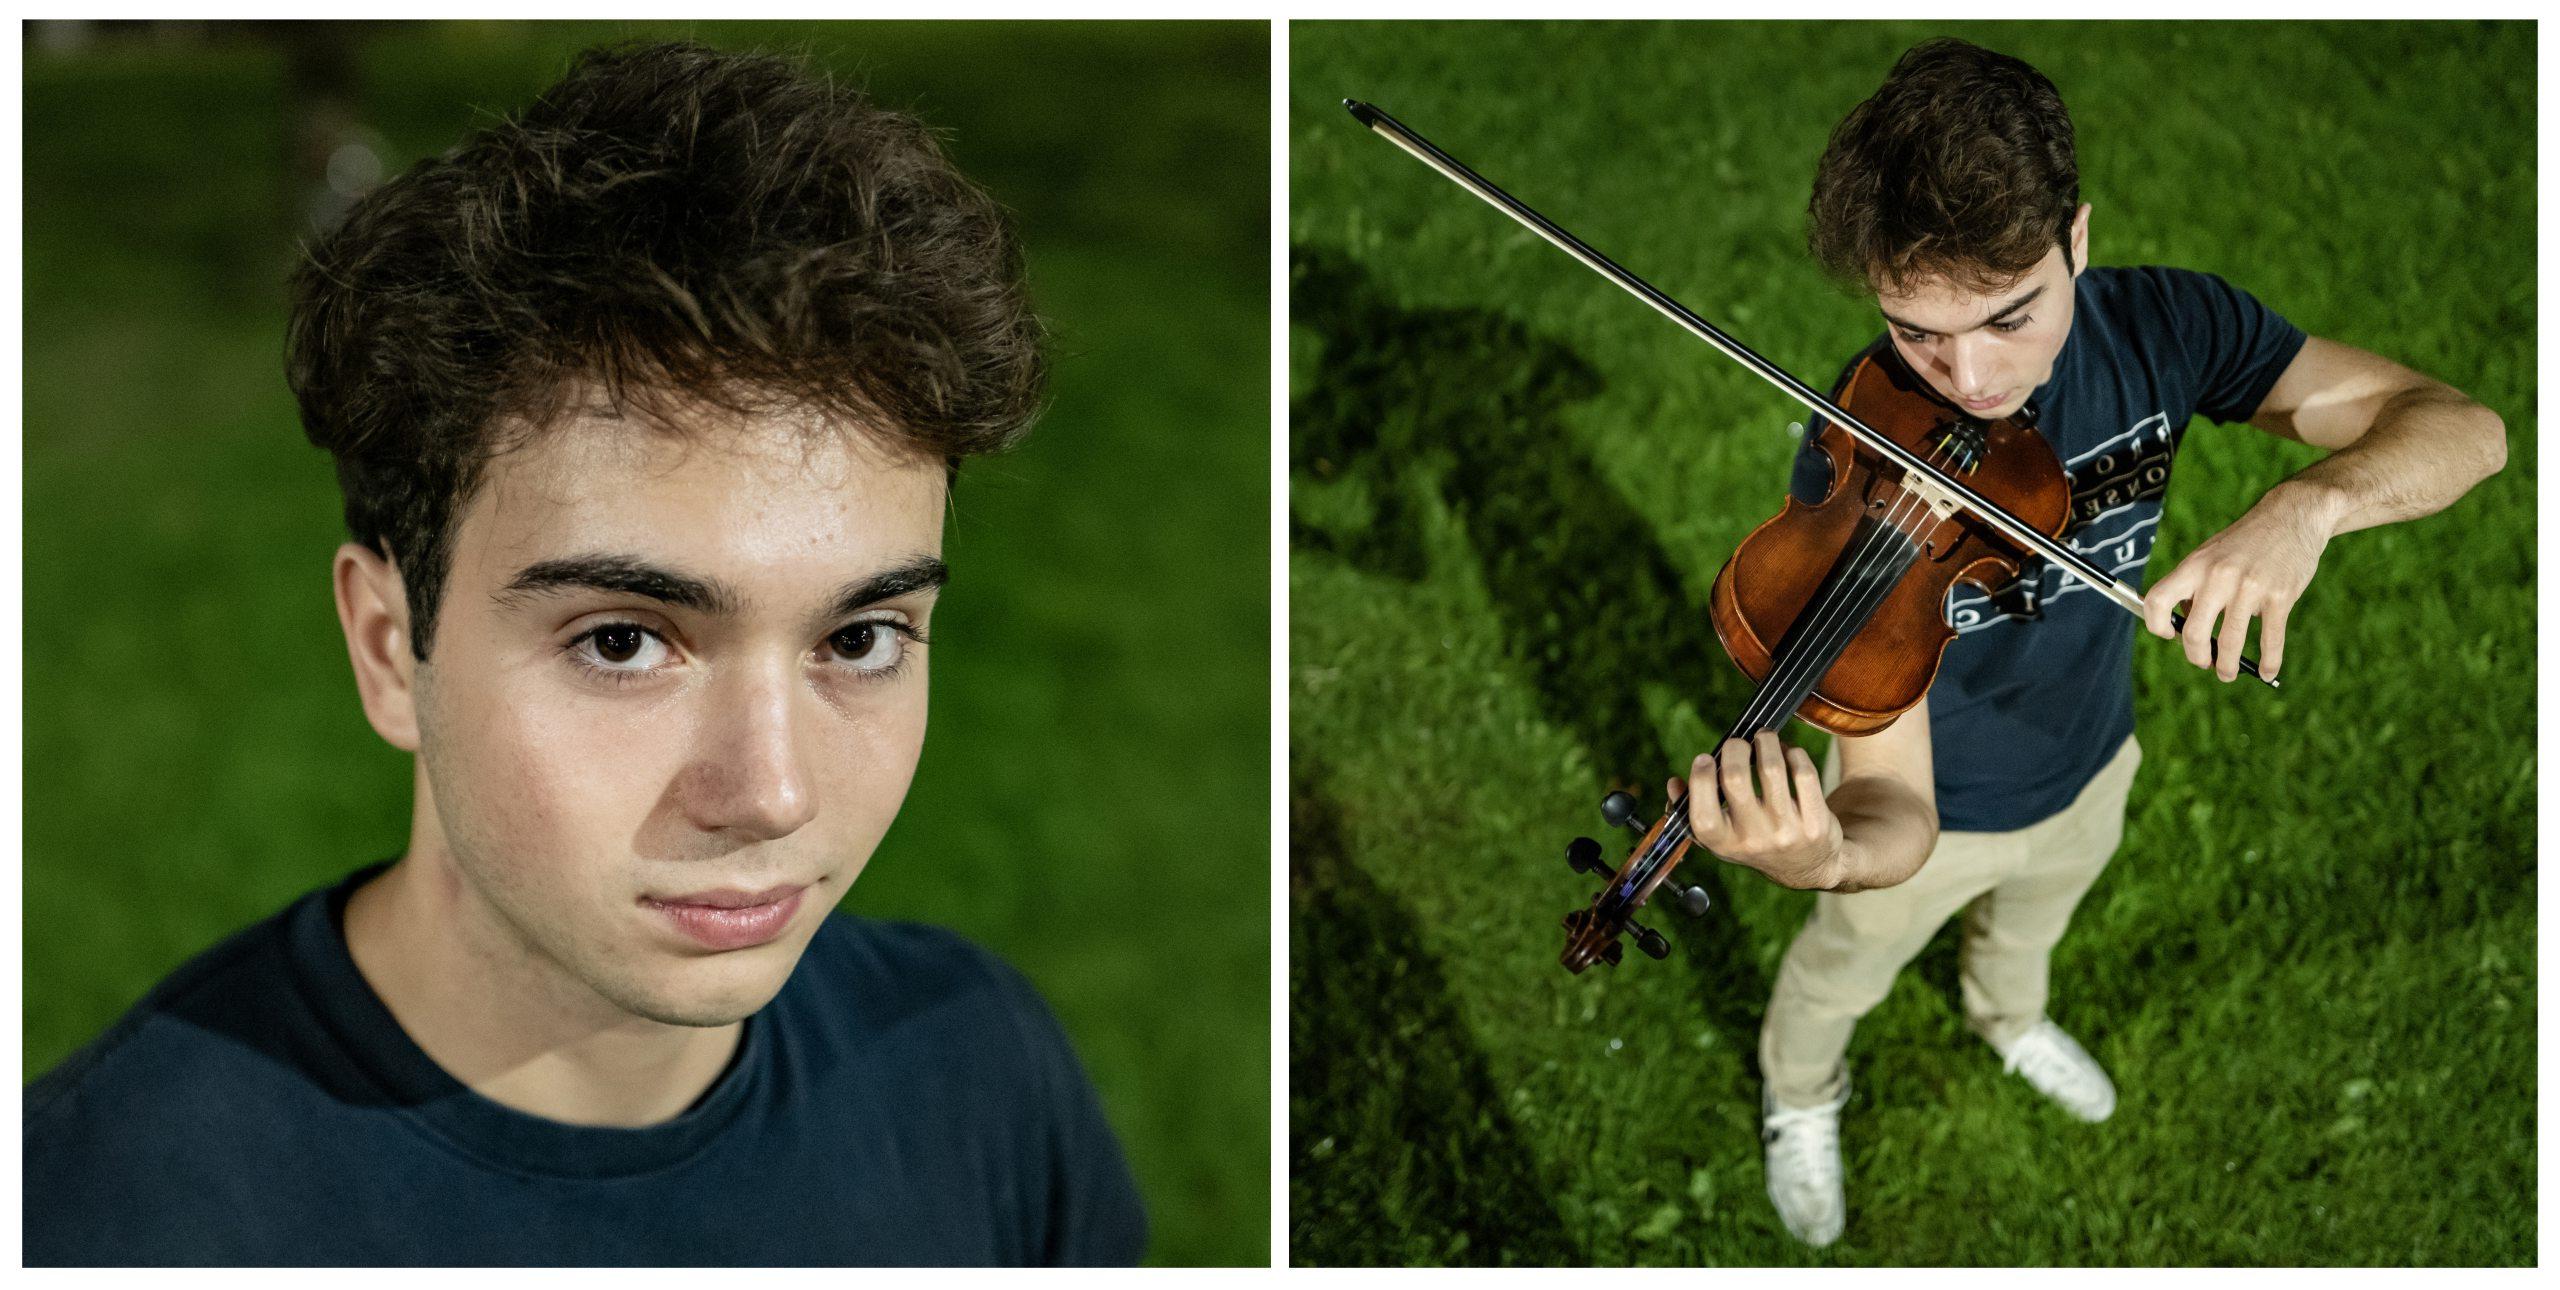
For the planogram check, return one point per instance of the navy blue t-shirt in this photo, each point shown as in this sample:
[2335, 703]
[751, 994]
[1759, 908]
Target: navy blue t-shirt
[905, 1099]
[2036, 691]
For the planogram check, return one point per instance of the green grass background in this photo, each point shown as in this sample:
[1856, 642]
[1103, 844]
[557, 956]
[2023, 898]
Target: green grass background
[1093, 801]
[2311, 967]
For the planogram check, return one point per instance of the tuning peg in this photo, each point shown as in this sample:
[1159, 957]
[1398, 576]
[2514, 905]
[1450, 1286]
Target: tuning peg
[1612, 953]
[1583, 856]
[1650, 941]
[1619, 809]
[1688, 900]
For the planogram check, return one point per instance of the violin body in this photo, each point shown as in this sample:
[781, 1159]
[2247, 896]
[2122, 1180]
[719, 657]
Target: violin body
[1793, 560]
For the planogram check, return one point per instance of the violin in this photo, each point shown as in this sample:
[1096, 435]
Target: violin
[1835, 610]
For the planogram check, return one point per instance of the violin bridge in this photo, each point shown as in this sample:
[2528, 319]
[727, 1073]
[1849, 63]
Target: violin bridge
[1940, 502]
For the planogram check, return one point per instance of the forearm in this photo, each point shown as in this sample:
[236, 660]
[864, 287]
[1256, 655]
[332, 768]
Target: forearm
[2425, 449]
[1887, 831]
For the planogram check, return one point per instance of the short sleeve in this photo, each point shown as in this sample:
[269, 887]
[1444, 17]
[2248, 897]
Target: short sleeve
[1095, 1218]
[1100, 1221]
[2235, 347]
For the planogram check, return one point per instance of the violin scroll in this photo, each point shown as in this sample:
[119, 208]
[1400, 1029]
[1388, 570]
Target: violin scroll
[1592, 933]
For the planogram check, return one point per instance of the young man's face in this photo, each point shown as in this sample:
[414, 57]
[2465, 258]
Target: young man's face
[670, 675]
[1986, 352]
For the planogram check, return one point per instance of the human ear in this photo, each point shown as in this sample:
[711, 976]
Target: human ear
[373, 610]
[2080, 240]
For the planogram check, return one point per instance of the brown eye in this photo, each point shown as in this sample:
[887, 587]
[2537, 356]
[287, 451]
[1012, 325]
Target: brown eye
[621, 648]
[869, 647]
[618, 644]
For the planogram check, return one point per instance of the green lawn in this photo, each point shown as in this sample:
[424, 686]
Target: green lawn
[2310, 969]
[1094, 799]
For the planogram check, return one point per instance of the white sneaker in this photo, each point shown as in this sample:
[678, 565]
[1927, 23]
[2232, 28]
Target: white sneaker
[2061, 1069]
[1803, 1159]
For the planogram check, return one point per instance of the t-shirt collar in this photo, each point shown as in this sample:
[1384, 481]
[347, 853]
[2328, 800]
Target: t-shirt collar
[443, 1107]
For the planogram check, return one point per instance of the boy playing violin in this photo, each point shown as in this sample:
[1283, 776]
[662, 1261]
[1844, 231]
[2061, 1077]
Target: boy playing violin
[1953, 195]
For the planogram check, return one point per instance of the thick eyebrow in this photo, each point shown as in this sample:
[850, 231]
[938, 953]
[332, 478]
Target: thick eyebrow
[923, 573]
[629, 575]
[2005, 310]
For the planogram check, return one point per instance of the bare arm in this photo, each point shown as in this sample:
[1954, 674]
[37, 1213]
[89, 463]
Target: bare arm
[2401, 444]
[1874, 829]
[1887, 800]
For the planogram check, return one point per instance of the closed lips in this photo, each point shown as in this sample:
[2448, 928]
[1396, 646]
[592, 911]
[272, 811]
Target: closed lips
[728, 898]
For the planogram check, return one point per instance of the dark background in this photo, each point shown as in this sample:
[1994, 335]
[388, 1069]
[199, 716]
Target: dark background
[2310, 969]
[1093, 798]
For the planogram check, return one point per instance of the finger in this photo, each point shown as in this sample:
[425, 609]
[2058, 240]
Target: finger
[1706, 810]
[2198, 638]
[1741, 805]
[2233, 640]
[1808, 791]
[2162, 600]
[1774, 792]
[1777, 799]
[2271, 639]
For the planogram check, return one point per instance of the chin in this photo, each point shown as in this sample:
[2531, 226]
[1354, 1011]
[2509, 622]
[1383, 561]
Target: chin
[706, 992]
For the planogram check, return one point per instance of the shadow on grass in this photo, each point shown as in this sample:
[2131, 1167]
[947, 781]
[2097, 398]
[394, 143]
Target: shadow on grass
[1463, 408]
[1400, 1151]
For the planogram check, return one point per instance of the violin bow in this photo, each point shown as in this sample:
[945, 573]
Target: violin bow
[2060, 553]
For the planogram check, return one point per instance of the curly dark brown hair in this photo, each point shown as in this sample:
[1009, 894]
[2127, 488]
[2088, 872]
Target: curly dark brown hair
[674, 227]
[1959, 168]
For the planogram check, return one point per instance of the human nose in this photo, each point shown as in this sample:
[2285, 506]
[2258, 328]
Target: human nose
[751, 776]
[1967, 368]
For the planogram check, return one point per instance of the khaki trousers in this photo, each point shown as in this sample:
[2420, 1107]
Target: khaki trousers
[2016, 890]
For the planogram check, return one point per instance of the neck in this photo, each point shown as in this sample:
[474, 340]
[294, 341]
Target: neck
[504, 1019]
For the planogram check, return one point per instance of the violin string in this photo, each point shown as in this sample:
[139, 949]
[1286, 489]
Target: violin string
[1838, 619]
[1872, 557]
[1834, 620]
[1907, 505]
[1865, 563]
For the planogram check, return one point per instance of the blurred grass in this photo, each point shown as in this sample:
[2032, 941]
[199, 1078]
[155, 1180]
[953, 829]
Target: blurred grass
[1093, 800]
[2310, 969]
